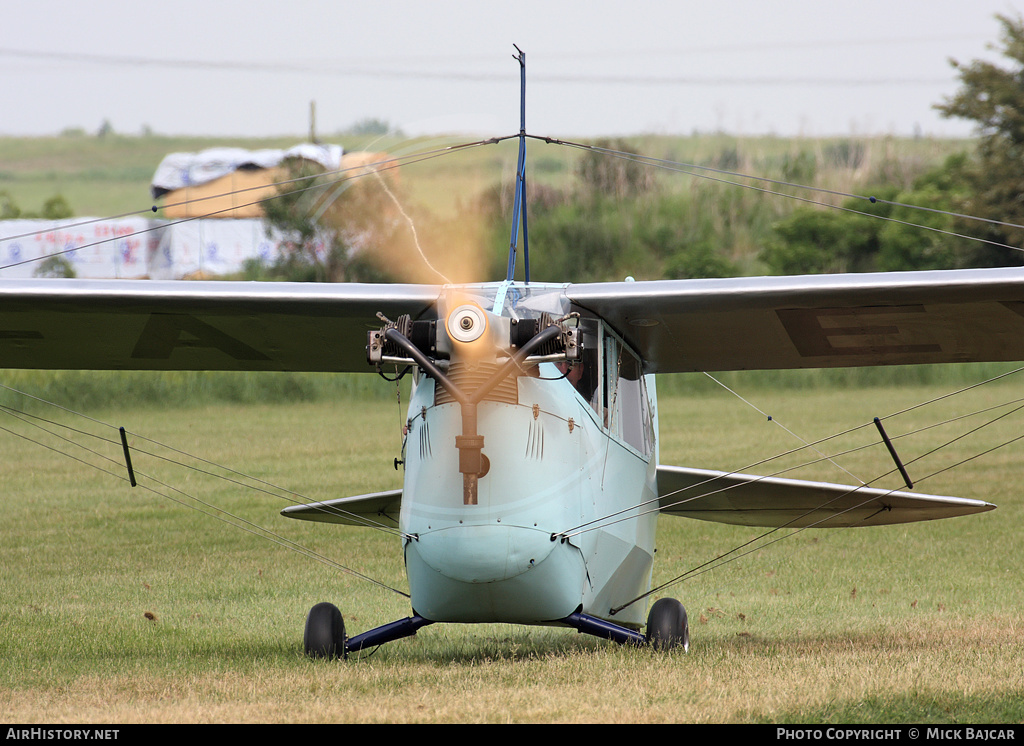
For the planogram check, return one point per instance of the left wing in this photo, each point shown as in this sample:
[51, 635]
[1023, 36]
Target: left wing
[816, 321]
[748, 500]
[377, 509]
[178, 325]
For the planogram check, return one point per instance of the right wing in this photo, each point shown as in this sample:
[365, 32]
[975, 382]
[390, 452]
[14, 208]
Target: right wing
[815, 321]
[748, 500]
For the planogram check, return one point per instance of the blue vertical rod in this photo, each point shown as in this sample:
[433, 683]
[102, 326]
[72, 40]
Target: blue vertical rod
[518, 207]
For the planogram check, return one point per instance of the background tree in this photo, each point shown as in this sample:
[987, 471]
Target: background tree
[332, 227]
[813, 240]
[905, 246]
[615, 219]
[55, 208]
[9, 209]
[993, 97]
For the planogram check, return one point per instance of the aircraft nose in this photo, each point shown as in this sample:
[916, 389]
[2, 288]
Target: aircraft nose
[493, 573]
[484, 554]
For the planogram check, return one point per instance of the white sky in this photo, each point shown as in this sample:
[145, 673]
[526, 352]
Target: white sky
[227, 67]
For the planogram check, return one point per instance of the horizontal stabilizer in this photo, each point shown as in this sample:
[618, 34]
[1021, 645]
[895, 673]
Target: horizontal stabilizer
[378, 509]
[747, 500]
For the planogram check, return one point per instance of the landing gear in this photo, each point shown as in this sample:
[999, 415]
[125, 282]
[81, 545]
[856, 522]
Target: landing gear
[667, 628]
[325, 632]
[667, 625]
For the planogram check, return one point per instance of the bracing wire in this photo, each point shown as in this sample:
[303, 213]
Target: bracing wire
[184, 499]
[658, 503]
[318, 181]
[207, 509]
[680, 167]
[244, 480]
[759, 542]
[691, 169]
[779, 424]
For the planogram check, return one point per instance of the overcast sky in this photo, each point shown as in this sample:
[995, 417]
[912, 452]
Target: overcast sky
[227, 67]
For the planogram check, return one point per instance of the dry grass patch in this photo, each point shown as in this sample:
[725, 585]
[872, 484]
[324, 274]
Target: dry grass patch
[949, 670]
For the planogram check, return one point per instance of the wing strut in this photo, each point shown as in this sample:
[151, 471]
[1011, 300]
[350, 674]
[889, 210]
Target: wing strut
[128, 458]
[519, 205]
[895, 456]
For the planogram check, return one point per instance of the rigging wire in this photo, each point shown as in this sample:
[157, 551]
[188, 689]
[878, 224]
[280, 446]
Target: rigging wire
[691, 169]
[342, 174]
[259, 485]
[679, 167]
[786, 429]
[659, 163]
[731, 555]
[187, 500]
[655, 504]
[218, 513]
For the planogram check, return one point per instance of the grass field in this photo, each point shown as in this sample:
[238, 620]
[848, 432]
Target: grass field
[122, 605]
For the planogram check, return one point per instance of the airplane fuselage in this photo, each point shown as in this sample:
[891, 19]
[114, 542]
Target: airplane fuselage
[566, 508]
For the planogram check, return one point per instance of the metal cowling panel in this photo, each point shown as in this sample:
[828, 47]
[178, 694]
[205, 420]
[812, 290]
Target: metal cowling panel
[469, 377]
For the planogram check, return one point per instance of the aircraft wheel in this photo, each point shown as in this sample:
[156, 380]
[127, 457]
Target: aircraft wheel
[667, 625]
[325, 632]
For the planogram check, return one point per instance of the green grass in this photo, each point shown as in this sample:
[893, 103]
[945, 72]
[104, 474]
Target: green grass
[100, 389]
[121, 605]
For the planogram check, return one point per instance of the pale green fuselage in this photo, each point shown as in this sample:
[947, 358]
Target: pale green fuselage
[554, 467]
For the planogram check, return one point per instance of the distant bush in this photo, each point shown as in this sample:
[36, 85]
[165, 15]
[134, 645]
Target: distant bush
[55, 208]
[9, 210]
[913, 229]
[55, 266]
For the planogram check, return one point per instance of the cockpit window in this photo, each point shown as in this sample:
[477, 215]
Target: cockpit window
[610, 378]
[626, 403]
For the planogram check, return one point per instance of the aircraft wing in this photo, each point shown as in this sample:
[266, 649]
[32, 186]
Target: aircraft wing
[746, 500]
[816, 321]
[378, 509]
[151, 325]
[739, 323]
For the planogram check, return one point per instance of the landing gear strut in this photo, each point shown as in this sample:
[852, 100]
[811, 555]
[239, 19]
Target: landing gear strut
[325, 633]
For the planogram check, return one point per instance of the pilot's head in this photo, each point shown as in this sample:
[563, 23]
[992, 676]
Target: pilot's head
[573, 371]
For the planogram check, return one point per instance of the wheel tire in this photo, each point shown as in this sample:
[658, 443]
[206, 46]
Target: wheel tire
[325, 632]
[667, 625]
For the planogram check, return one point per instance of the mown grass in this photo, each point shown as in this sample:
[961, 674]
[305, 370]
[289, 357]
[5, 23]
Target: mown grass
[122, 605]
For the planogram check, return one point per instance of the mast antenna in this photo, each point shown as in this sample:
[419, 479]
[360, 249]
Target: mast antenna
[519, 204]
